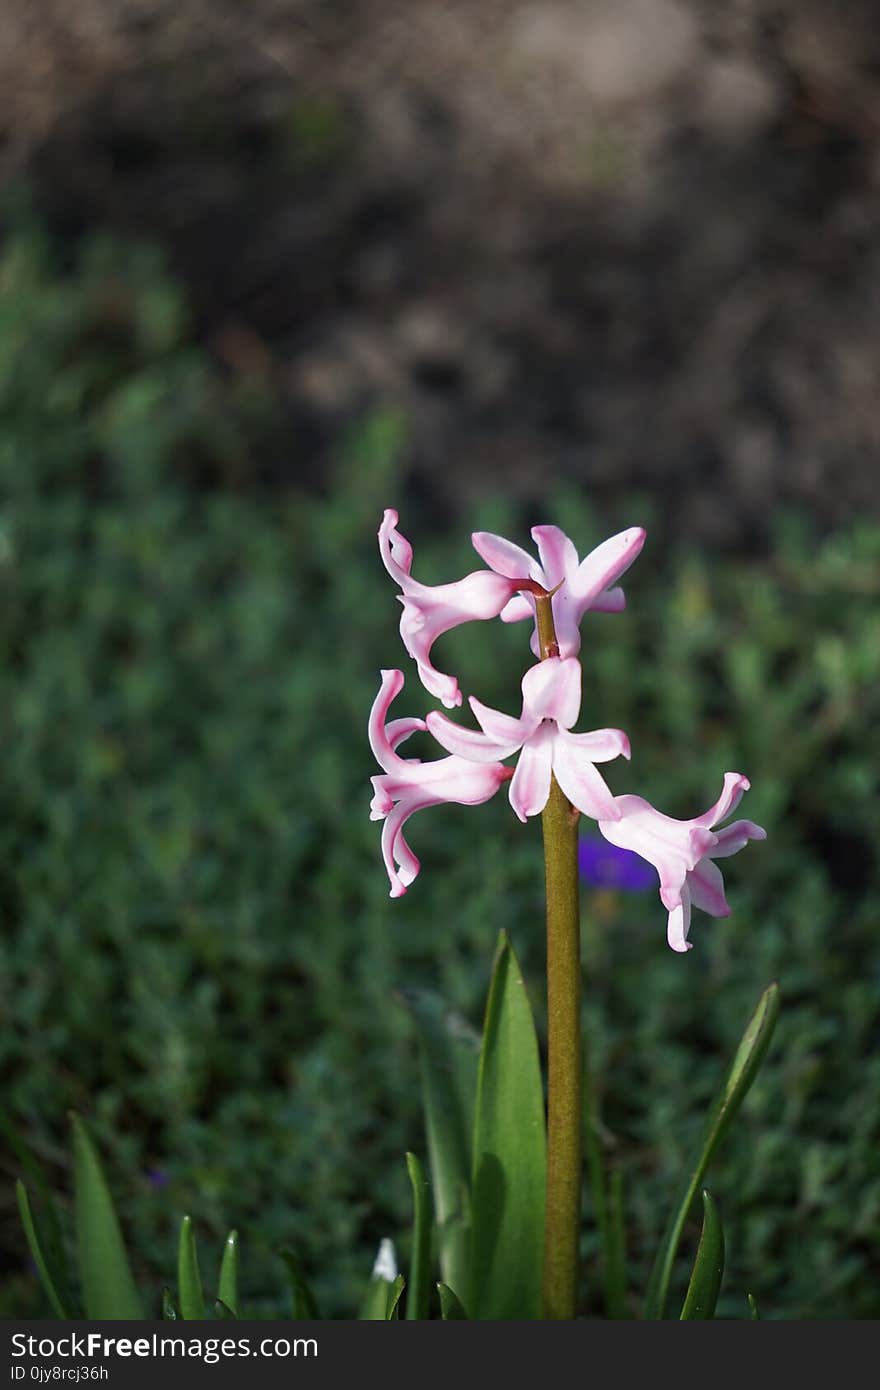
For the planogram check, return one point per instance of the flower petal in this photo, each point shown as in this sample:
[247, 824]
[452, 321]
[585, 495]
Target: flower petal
[400, 729]
[557, 554]
[429, 611]
[679, 923]
[468, 743]
[604, 565]
[706, 887]
[519, 607]
[552, 690]
[609, 601]
[731, 795]
[505, 558]
[732, 838]
[601, 745]
[380, 743]
[503, 728]
[530, 786]
[396, 850]
[582, 784]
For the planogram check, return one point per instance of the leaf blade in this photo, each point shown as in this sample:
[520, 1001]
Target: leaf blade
[227, 1288]
[190, 1296]
[448, 1053]
[451, 1306]
[109, 1291]
[509, 1155]
[705, 1282]
[55, 1292]
[746, 1062]
[420, 1262]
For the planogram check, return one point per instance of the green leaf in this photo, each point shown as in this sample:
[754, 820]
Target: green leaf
[45, 1223]
[223, 1310]
[395, 1291]
[509, 1154]
[451, 1307]
[189, 1280]
[303, 1305]
[754, 1315]
[749, 1056]
[108, 1288]
[420, 1262]
[169, 1310]
[703, 1289]
[448, 1052]
[57, 1293]
[227, 1291]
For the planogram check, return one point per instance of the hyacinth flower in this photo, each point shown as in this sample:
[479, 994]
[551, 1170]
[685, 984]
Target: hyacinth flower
[429, 611]
[683, 852]
[556, 776]
[542, 736]
[576, 586]
[409, 785]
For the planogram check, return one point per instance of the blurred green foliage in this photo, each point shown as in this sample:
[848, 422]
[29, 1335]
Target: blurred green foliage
[199, 953]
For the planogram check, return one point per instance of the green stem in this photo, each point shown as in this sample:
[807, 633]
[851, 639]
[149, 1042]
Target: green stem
[564, 1058]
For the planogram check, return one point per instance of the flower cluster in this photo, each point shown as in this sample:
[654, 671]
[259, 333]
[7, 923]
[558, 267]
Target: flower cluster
[541, 739]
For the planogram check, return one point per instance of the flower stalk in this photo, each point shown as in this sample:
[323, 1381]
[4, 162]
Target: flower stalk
[564, 1053]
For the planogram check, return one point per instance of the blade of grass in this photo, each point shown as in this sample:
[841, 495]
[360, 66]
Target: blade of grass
[57, 1295]
[189, 1280]
[705, 1282]
[420, 1261]
[109, 1290]
[743, 1070]
[227, 1290]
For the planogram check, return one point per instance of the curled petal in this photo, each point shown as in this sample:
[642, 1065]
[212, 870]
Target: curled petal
[530, 786]
[401, 864]
[395, 550]
[679, 923]
[706, 887]
[732, 838]
[426, 784]
[400, 729]
[429, 611]
[505, 558]
[731, 795]
[468, 743]
[552, 690]
[380, 742]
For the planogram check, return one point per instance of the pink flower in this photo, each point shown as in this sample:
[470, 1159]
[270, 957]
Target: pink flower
[682, 852]
[408, 785]
[585, 584]
[429, 611]
[551, 704]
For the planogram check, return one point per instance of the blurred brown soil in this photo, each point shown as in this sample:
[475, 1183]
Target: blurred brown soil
[634, 243]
